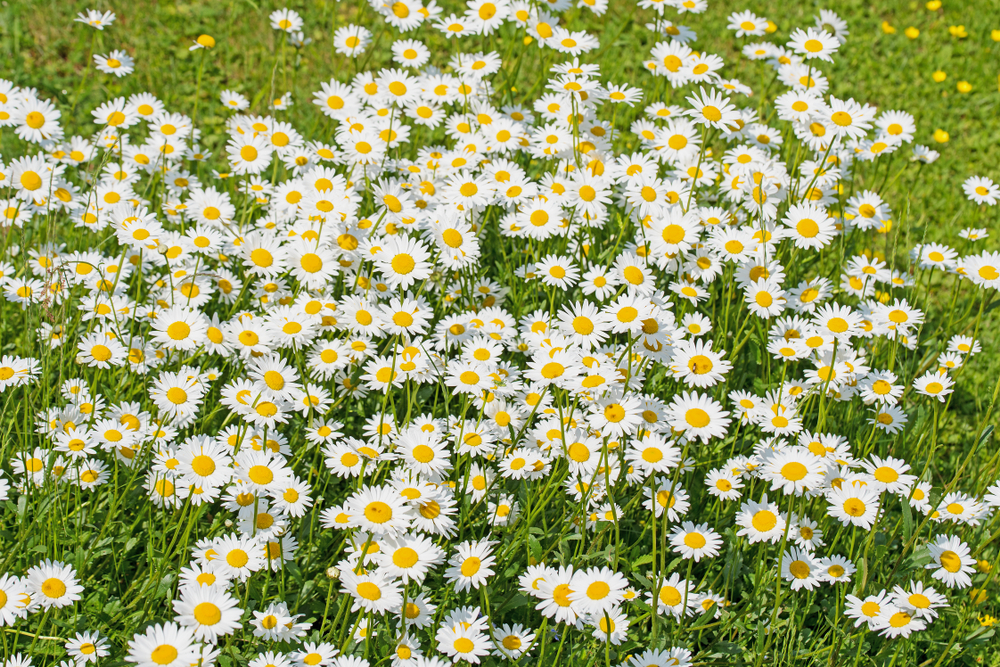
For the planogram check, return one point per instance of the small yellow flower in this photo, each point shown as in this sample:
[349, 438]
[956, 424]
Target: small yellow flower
[911, 32]
[528, 40]
[941, 136]
[958, 31]
[772, 27]
[977, 595]
[984, 566]
[873, 254]
[964, 87]
[888, 29]
[206, 41]
[934, 5]
[987, 621]
[995, 35]
[939, 76]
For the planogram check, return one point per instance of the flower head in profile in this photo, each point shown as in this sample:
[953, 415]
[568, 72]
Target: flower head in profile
[117, 62]
[96, 19]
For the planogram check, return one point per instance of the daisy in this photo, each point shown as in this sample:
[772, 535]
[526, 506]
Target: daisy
[765, 298]
[652, 454]
[404, 15]
[695, 541]
[179, 328]
[597, 590]
[760, 522]
[983, 269]
[794, 470]
[351, 40]
[889, 418]
[615, 416]
[835, 569]
[713, 109]
[611, 626]
[895, 622]
[379, 510]
[981, 190]
[470, 565]
[889, 475]
[99, 350]
[747, 23]
[12, 591]
[209, 611]
[96, 19]
[36, 121]
[855, 504]
[249, 154]
[403, 261]
[698, 415]
[921, 601]
[584, 324]
[115, 113]
[623, 94]
[374, 592]
[287, 20]
[800, 568]
[409, 557]
[811, 226]
[87, 647]
[463, 643]
[847, 118]
[117, 62]
[973, 233]
[271, 622]
[674, 597]
[696, 364]
[724, 484]
[260, 469]
[806, 533]
[236, 556]
[813, 43]
[164, 645]
[54, 584]
[512, 641]
[952, 561]
[553, 591]
[868, 609]
[410, 52]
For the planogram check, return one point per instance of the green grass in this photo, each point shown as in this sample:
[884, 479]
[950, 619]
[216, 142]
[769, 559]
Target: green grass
[41, 49]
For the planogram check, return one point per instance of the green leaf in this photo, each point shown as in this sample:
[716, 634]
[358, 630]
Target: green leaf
[702, 620]
[907, 521]
[534, 548]
[973, 638]
[642, 560]
[518, 600]
[727, 648]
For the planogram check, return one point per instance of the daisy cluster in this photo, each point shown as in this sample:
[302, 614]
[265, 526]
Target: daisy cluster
[476, 348]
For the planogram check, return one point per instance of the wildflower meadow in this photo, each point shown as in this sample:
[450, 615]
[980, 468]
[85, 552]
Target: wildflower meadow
[411, 333]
